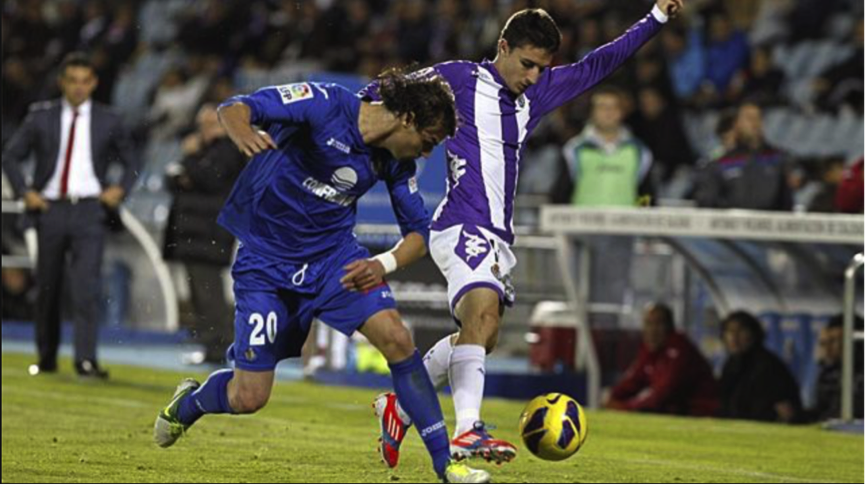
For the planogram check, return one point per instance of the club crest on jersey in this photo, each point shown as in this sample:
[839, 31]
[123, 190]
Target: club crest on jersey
[472, 246]
[294, 92]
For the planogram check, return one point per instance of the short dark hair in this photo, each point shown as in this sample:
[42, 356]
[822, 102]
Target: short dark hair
[428, 99]
[666, 314]
[76, 59]
[534, 27]
[748, 321]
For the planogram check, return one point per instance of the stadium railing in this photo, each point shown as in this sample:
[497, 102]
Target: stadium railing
[136, 229]
[569, 223]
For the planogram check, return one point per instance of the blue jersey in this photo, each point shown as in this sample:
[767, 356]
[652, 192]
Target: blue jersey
[297, 204]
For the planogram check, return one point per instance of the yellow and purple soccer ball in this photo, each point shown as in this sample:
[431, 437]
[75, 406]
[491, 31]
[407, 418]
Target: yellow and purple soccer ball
[553, 426]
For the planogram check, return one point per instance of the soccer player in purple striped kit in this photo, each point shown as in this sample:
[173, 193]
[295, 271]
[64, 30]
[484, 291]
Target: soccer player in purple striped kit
[500, 103]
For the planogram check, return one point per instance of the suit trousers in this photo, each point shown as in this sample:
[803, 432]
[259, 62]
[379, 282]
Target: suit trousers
[71, 238]
[213, 317]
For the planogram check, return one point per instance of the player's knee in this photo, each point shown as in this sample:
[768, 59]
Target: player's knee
[249, 400]
[492, 340]
[484, 324]
[400, 345]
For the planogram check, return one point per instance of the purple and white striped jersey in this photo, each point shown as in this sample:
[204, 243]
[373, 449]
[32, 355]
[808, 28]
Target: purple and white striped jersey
[484, 154]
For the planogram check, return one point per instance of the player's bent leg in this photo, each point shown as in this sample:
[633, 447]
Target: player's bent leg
[386, 332]
[479, 312]
[249, 391]
[168, 428]
[411, 382]
[226, 391]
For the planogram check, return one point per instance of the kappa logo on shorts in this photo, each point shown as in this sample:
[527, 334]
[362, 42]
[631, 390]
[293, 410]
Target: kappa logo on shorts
[472, 247]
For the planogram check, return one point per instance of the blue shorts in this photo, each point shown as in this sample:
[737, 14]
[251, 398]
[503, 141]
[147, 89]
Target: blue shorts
[276, 303]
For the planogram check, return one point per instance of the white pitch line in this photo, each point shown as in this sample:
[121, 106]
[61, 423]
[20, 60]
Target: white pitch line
[735, 471]
[64, 396]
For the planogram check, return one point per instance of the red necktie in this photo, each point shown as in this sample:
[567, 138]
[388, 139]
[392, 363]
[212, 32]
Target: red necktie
[64, 175]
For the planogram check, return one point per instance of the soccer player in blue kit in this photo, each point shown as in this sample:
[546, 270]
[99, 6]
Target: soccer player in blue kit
[319, 148]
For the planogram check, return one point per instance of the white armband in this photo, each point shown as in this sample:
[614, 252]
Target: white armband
[388, 260]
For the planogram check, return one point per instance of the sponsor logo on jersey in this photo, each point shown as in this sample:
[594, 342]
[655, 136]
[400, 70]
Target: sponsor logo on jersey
[412, 185]
[333, 142]
[294, 92]
[457, 167]
[328, 193]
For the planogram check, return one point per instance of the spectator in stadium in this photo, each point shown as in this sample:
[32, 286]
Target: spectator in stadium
[174, 103]
[727, 53]
[74, 140]
[753, 175]
[850, 195]
[686, 58]
[828, 389]
[605, 165]
[200, 182]
[669, 375]
[755, 384]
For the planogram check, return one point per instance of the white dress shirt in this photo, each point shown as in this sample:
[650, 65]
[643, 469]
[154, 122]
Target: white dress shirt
[82, 180]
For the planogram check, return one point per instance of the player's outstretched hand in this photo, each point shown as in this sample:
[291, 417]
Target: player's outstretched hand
[671, 7]
[363, 274]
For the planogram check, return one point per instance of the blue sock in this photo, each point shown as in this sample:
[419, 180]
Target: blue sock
[210, 398]
[418, 399]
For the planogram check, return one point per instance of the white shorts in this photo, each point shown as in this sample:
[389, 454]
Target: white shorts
[472, 257]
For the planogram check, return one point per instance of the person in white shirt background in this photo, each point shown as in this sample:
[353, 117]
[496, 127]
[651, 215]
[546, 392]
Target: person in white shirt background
[68, 200]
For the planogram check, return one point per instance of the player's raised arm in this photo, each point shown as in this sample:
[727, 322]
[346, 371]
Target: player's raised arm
[563, 83]
[290, 104]
[235, 118]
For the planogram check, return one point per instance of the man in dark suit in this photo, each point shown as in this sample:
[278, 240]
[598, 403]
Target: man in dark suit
[74, 140]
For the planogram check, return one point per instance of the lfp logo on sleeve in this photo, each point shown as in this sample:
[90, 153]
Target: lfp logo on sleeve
[294, 92]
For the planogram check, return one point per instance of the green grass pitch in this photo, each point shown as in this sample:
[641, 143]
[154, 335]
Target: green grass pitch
[59, 429]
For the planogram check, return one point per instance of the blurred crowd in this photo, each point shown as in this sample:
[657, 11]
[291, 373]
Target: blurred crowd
[670, 375]
[693, 119]
[719, 55]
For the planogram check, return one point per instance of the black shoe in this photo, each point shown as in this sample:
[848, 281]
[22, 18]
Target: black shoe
[42, 368]
[90, 369]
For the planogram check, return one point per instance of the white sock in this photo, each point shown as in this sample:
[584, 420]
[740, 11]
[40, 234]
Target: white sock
[467, 374]
[437, 360]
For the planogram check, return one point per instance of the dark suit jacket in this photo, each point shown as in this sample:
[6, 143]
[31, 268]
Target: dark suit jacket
[40, 132]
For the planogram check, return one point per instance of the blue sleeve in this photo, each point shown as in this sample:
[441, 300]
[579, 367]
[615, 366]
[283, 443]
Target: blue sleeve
[561, 84]
[408, 205]
[298, 103]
